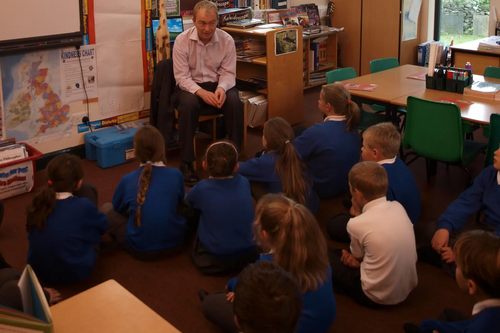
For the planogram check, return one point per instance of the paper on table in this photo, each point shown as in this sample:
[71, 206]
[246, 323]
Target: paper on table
[120, 76]
[432, 59]
[111, 27]
[414, 10]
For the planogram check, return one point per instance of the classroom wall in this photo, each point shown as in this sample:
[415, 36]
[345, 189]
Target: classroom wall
[427, 20]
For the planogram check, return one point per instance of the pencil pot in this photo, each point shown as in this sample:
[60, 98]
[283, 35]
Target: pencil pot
[430, 83]
[461, 85]
[440, 83]
[451, 85]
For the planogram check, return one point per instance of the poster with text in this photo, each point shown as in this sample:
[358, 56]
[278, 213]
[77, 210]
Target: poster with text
[78, 74]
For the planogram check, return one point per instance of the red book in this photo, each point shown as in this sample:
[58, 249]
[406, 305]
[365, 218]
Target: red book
[461, 103]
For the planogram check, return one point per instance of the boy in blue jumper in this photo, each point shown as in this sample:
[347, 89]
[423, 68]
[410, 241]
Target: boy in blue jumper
[332, 147]
[225, 239]
[478, 273]
[483, 195]
[381, 144]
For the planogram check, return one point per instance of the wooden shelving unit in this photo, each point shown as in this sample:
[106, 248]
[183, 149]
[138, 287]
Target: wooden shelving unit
[282, 72]
[331, 57]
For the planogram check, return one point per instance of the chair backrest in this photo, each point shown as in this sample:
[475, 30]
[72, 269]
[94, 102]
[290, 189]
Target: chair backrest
[340, 74]
[493, 72]
[493, 140]
[379, 65]
[434, 130]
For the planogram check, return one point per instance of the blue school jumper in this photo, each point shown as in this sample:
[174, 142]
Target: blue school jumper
[488, 320]
[161, 227]
[484, 194]
[63, 253]
[262, 169]
[329, 153]
[318, 307]
[403, 189]
[227, 215]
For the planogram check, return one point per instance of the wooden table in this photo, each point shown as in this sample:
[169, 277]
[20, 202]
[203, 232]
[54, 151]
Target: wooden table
[468, 52]
[478, 112]
[107, 308]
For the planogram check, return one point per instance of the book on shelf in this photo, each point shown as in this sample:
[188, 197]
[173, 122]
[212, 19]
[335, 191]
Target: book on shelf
[289, 18]
[257, 111]
[243, 24]
[315, 48]
[270, 26]
[36, 316]
[252, 83]
[311, 30]
[483, 89]
[313, 13]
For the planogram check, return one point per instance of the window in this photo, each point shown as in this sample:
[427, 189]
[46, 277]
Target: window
[461, 20]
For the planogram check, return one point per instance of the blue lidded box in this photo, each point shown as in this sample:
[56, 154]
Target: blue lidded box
[110, 146]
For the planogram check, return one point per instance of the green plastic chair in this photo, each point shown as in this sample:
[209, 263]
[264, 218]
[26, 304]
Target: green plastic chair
[383, 64]
[367, 118]
[493, 140]
[434, 131]
[493, 72]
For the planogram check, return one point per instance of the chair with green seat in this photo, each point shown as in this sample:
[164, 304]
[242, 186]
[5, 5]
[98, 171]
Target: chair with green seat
[493, 140]
[434, 131]
[367, 118]
[493, 72]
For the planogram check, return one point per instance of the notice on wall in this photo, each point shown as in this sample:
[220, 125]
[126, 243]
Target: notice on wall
[172, 7]
[78, 73]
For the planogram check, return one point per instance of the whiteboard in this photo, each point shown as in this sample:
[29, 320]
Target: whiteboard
[38, 18]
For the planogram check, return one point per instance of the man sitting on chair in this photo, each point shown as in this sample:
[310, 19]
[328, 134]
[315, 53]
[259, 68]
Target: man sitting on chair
[205, 71]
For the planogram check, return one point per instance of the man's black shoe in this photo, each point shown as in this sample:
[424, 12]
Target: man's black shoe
[190, 175]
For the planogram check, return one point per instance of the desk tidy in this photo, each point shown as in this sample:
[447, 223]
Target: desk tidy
[449, 78]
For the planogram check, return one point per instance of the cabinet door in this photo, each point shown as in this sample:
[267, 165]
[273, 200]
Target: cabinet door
[348, 15]
[379, 31]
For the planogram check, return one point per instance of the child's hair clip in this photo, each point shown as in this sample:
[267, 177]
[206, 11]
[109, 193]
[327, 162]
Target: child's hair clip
[148, 162]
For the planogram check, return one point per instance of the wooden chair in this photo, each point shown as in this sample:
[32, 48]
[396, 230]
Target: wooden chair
[207, 114]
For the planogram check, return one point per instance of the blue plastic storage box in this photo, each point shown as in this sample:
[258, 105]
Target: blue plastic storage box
[110, 146]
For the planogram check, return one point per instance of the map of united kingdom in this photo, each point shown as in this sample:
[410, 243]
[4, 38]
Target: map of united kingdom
[31, 90]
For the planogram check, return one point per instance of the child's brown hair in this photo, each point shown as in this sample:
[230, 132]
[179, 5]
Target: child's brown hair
[294, 236]
[369, 178]
[477, 254]
[289, 166]
[149, 148]
[267, 299]
[64, 172]
[221, 158]
[340, 99]
[384, 137]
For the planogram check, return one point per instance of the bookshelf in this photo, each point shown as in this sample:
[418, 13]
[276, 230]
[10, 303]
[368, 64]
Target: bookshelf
[283, 73]
[330, 62]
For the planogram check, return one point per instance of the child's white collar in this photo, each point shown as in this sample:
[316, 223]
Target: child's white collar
[63, 195]
[334, 118]
[387, 161]
[156, 164]
[486, 304]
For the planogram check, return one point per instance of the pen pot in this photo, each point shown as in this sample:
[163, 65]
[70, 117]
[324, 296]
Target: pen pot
[430, 83]
[440, 83]
[451, 85]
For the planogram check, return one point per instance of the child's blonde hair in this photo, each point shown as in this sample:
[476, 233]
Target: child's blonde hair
[477, 254]
[340, 99]
[294, 236]
[384, 137]
[289, 166]
[149, 148]
[370, 178]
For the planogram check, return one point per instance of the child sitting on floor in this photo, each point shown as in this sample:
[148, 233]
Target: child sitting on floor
[225, 240]
[291, 236]
[280, 168]
[484, 194]
[64, 225]
[143, 215]
[267, 300]
[381, 143]
[477, 256]
[381, 268]
[332, 147]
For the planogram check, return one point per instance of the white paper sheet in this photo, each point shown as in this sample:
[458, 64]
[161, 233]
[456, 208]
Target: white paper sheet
[414, 10]
[71, 73]
[117, 21]
[120, 76]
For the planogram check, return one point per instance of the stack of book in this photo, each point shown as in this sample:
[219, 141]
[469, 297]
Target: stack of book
[248, 49]
[317, 78]
[243, 24]
[483, 90]
[12, 151]
[490, 44]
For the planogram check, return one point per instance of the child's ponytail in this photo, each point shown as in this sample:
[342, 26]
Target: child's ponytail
[64, 173]
[340, 99]
[143, 189]
[149, 148]
[289, 166]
